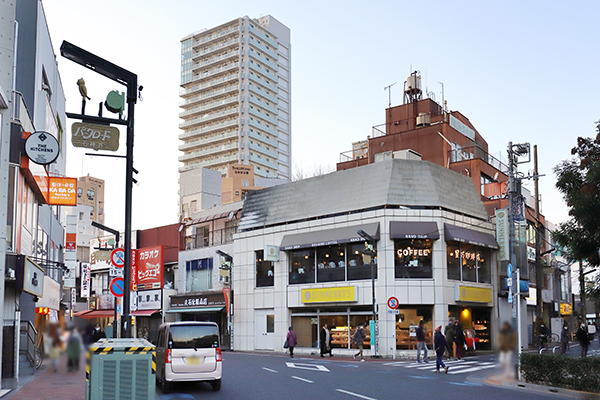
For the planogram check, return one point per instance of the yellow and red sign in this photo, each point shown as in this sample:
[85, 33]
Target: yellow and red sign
[566, 309]
[62, 191]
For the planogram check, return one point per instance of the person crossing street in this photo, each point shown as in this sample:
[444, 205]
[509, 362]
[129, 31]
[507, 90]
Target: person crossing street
[439, 346]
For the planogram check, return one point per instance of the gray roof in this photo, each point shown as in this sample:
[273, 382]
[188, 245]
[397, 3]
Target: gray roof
[396, 182]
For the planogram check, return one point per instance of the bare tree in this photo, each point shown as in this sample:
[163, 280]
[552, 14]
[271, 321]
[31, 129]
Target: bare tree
[300, 172]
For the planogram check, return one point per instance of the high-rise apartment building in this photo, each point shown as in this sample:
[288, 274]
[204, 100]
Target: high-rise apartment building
[236, 97]
[90, 192]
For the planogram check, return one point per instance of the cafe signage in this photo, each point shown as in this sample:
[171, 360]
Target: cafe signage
[329, 295]
[42, 148]
[95, 136]
[474, 294]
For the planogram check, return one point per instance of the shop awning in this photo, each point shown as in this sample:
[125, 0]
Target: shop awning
[196, 310]
[144, 313]
[329, 236]
[414, 230]
[89, 314]
[458, 234]
[81, 313]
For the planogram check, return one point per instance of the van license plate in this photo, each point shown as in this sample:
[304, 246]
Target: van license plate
[193, 360]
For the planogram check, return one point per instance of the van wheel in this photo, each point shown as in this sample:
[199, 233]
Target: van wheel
[216, 385]
[164, 385]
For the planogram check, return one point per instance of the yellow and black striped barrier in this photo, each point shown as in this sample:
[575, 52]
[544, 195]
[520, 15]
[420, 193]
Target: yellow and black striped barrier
[87, 366]
[138, 350]
[153, 363]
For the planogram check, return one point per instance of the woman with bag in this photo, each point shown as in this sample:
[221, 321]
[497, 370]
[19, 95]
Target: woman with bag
[290, 341]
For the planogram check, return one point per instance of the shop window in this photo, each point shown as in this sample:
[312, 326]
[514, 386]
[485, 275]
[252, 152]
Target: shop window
[307, 330]
[407, 322]
[302, 266]
[264, 270]
[331, 263]
[198, 275]
[91, 194]
[413, 258]
[357, 268]
[468, 263]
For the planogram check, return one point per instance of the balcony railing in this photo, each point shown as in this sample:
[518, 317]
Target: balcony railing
[215, 36]
[208, 128]
[216, 47]
[475, 152]
[209, 95]
[20, 112]
[211, 150]
[209, 139]
[209, 106]
[215, 71]
[209, 117]
[210, 83]
[212, 238]
[216, 59]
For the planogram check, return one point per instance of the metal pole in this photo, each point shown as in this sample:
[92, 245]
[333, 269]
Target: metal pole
[539, 276]
[512, 186]
[519, 343]
[582, 291]
[131, 99]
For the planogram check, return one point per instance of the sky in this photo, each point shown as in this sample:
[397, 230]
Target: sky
[520, 71]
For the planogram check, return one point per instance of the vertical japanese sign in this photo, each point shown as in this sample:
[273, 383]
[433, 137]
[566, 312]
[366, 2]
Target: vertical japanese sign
[70, 251]
[86, 271]
[149, 268]
[502, 234]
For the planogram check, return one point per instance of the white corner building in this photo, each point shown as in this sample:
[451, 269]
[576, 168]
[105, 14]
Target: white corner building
[236, 97]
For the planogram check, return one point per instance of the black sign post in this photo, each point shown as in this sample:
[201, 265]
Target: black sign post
[129, 79]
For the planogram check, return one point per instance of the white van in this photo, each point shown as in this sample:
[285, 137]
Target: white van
[188, 351]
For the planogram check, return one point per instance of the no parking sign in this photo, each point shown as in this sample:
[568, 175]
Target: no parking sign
[117, 287]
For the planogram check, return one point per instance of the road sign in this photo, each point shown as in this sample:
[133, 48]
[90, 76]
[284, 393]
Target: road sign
[509, 270]
[114, 272]
[393, 303]
[394, 312]
[117, 257]
[509, 282]
[117, 287]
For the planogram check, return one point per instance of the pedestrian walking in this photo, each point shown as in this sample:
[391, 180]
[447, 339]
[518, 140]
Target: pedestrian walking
[55, 352]
[97, 334]
[73, 350]
[449, 333]
[421, 345]
[582, 336]
[564, 340]
[325, 341]
[507, 340]
[439, 346]
[459, 340]
[291, 340]
[359, 340]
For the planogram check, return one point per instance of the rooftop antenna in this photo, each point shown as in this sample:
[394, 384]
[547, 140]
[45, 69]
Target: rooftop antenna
[443, 103]
[389, 88]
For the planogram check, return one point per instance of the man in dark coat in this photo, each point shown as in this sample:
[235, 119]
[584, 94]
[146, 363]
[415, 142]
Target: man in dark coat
[459, 340]
[582, 336]
[98, 334]
[440, 346]
[449, 333]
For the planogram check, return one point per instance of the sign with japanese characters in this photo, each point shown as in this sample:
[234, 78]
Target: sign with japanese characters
[86, 273]
[149, 268]
[149, 299]
[62, 191]
[95, 136]
[198, 300]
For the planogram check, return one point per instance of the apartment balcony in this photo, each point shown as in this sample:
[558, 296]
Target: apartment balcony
[475, 152]
[262, 82]
[210, 106]
[204, 40]
[210, 163]
[215, 72]
[263, 36]
[263, 138]
[271, 51]
[20, 112]
[261, 160]
[214, 93]
[216, 60]
[262, 93]
[270, 63]
[264, 105]
[270, 153]
[214, 48]
[209, 117]
[209, 129]
[262, 127]
[262, 116]
[211, 150]
[268, 75]
[210, 84]
[212, 139]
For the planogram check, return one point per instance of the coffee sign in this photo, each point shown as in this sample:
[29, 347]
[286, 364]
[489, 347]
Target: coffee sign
[95, 136]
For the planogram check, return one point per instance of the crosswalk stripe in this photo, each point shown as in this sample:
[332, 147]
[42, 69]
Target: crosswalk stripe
[472, 369]
[432, 363]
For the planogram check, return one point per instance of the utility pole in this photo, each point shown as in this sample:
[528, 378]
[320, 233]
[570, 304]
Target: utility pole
[539, 276]
[582, 291]
[512, 193]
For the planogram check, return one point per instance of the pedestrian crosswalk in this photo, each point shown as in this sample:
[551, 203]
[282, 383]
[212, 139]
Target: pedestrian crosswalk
[455, 366]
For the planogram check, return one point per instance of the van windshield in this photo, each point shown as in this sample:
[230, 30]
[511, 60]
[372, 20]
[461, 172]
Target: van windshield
[194, 336]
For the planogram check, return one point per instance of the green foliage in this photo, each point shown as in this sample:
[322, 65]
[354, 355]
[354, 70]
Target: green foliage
[562, 371]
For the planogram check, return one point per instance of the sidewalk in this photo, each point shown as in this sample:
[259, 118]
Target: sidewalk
[49, 385]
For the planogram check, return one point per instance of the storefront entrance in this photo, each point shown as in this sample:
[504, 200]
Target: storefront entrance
[475, 322]
[264, 329]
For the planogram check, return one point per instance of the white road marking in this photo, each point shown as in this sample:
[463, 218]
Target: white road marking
[462, 371]
[354, 394]
[310, 367]
[269, 369]
[302, 379]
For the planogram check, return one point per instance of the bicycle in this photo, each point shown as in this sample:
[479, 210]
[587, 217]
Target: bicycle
[544, 340]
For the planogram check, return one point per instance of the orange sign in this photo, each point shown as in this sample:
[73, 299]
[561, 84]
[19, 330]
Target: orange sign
[62, 191]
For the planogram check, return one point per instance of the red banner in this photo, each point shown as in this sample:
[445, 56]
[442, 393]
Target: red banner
[149, 268]
[226, 295]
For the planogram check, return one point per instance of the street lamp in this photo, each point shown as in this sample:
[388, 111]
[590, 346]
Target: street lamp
[371, 241]
[229, 267]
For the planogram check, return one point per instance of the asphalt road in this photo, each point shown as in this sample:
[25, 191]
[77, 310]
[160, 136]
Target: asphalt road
[266, 376]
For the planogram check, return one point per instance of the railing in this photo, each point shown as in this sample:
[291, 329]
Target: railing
[378, 130]
[215, 71]
[208, 128]
[212, 238]
[271, 64]
[209, 84]
[209, 106]
[20, 112]
[475, 152]
[215, 59]
[263, 36]
[347, 156]
[215, 47]
[262, 82]
[209, 95]
[261, 92]
[211, 150]
[266, 106]
[212, 138]
[264, 117]
[214, 36]
[211, 162]
[208, 117]
[264, 72]
[28, 335]
[272, 52]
